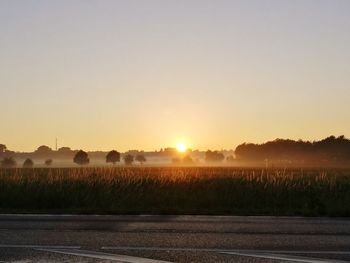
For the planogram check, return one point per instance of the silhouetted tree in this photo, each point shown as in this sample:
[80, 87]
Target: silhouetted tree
[3, 148]
[230, 158]
[48, 162]
[140, 158]
[113, 157]
[175, 160]
[8, 162]
[187, 160]
[28, 163]
[43, 149]
[128, 159]
[81, 158]
[65, 152]
[214, 156]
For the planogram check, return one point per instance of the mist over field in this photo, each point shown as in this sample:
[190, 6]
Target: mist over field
[329, 152]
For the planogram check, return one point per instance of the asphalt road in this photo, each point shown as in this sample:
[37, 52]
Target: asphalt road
[152, 239]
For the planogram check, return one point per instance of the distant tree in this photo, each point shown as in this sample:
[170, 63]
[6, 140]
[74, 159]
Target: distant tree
[187, 159]
[64, 150]
[43, 149]
[175, 160]
[8, 162]
[113, 157]
[81, 158]
[48, 162]
[214, 156]
[128, 159]
[141, 158]
[3, 148]
[28, 163]
[230, 158]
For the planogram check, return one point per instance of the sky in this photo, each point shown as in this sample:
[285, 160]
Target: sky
[102, 75]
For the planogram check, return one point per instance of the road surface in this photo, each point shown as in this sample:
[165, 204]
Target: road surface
[152, 239]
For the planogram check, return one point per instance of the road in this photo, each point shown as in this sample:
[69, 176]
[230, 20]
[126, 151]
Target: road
[152, 239]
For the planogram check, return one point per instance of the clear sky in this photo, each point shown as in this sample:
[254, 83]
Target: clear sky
[146, 74]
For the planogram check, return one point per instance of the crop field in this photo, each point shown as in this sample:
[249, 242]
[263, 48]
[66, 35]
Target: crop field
[176, 190]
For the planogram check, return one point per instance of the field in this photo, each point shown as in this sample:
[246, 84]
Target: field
[176, 190]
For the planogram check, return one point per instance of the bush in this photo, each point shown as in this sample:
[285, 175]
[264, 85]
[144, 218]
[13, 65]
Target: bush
[28, 163]
[8, 162]
[214, 156]
[187, 160]
[128, 159]
[48, 162]
[140, 158]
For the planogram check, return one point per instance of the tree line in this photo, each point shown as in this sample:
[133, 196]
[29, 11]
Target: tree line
[331, 150]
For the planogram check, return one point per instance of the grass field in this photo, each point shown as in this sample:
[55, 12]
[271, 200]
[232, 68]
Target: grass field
[176, 190]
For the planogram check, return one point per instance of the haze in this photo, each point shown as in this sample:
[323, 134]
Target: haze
[149, 74]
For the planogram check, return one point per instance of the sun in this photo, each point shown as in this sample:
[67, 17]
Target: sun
[181, 147]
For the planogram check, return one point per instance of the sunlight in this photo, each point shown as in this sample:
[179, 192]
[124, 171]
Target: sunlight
[181, 147]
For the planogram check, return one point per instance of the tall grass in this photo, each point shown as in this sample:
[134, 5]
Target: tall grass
[176, 190]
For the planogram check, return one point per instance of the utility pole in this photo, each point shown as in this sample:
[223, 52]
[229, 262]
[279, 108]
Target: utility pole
[56, 145]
